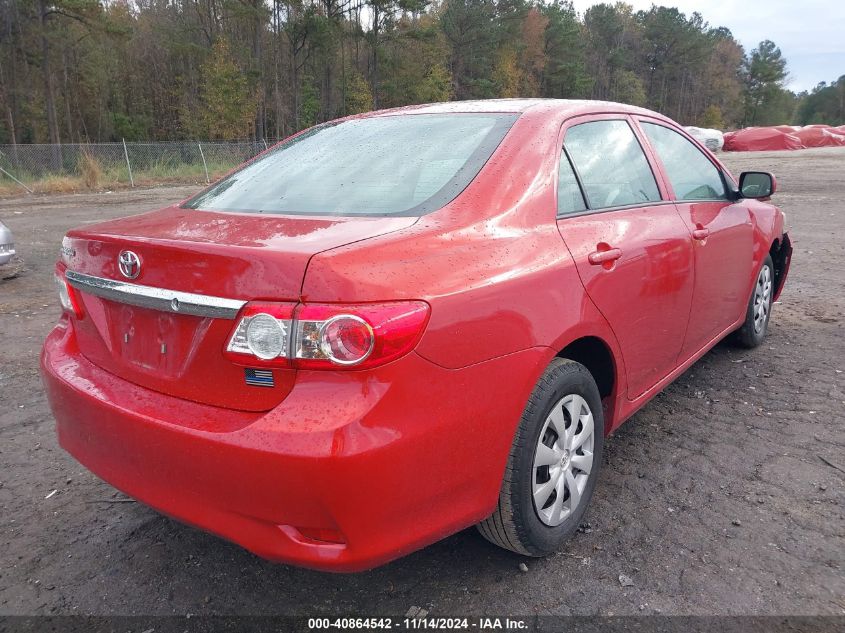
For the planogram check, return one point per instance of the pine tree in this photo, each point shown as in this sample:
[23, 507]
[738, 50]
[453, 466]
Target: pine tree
[765, 73]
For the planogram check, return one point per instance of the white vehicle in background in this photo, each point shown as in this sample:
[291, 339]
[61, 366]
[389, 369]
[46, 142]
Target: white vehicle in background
[7, 245]
[713, 140]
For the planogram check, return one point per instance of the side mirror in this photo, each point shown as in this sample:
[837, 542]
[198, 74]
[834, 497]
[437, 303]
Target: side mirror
[757, 184]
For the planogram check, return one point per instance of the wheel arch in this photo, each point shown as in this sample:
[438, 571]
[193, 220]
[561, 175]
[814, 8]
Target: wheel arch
[781, 254]
[597, 356]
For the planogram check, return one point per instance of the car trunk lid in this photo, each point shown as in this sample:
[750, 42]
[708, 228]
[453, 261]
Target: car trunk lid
[166, 328]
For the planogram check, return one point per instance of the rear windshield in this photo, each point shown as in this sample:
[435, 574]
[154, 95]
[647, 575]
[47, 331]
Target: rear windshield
[390, 165]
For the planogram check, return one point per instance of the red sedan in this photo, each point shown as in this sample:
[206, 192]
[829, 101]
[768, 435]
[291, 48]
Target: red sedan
[393, 326]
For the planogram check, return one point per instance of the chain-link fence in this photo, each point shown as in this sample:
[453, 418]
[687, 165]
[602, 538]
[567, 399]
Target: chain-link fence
[99, 165]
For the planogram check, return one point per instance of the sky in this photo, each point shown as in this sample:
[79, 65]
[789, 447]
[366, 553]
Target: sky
[809, 33]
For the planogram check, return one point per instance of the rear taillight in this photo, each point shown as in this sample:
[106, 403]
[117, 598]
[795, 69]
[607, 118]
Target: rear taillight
[359, 336]
[67, 297]
[330, 336]
[263, 334]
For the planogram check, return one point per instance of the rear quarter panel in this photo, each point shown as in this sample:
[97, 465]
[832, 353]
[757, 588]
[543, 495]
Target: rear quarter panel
[491, 264]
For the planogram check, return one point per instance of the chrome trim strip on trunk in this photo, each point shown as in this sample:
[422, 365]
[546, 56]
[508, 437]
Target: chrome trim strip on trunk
[156, 298]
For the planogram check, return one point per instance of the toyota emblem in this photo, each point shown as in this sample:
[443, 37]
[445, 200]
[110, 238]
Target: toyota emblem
[129, 264]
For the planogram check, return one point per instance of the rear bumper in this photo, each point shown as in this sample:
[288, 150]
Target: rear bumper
[380, 462]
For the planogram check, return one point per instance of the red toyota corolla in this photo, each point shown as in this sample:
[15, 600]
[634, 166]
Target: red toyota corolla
[394, 326]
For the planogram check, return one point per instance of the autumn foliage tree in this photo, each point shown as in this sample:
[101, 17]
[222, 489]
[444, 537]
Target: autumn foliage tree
[359, 98]
[226, 107]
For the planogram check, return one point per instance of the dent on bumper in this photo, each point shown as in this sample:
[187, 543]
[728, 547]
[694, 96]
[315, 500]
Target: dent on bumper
[390, 460]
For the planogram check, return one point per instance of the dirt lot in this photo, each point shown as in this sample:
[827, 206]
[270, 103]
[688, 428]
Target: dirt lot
[723, 496]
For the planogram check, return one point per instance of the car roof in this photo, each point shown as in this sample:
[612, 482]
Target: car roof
[567, 107]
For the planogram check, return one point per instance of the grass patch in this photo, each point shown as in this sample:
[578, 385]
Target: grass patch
[58, 184]
[89, 170]
[10, 188]
[92, 176]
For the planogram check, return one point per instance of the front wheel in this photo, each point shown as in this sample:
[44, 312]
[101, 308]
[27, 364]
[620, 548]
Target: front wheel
[756, 323]
[553, 463]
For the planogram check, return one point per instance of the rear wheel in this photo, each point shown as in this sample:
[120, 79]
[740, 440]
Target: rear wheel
[756, 324]
[553, 463]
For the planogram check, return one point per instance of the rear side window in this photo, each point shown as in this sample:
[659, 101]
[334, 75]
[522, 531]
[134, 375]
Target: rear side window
[612, 166]
[691, 173]
[389, 165]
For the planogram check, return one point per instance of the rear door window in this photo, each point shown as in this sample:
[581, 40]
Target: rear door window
[611, 164]
[569, 196]
[692, 175]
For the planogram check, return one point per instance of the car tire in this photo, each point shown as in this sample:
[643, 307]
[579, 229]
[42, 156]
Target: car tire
[756, 324]
[538, 528]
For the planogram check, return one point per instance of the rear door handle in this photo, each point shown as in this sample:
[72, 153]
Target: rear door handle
[700, 234]
[601, 257]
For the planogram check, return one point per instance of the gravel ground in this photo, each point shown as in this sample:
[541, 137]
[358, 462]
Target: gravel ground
[722, 496]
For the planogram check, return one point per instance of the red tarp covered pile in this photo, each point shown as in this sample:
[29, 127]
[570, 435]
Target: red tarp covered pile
[780, 137]
[821, 136]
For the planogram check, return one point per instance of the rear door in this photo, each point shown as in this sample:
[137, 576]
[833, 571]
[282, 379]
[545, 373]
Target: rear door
[630, 246]
[721, 232]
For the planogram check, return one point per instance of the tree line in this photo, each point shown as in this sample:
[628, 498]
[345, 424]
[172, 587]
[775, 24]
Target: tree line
[100, 70]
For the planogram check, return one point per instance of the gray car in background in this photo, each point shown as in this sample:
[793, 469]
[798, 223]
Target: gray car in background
[7, 245]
